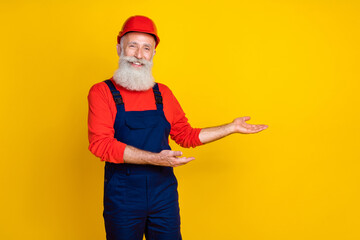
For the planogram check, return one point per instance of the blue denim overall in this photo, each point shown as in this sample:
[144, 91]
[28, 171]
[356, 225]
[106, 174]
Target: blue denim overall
[141, 199]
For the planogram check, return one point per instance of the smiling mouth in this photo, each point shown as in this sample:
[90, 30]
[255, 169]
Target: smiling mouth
[136, 64]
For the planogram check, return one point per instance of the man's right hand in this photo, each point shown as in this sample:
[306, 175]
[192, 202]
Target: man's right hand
[172, 158]
[165, 158]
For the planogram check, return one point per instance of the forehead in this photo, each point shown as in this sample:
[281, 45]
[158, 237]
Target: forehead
[140, 38]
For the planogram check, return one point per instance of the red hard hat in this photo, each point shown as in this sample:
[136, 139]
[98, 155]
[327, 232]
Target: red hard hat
[139, 24]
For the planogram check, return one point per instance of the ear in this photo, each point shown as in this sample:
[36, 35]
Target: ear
[118, 49]
[154, 53]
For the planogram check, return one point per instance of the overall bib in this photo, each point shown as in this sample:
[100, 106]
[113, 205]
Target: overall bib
[141, 199]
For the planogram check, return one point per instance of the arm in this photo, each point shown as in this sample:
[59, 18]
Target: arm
[239, 125]
[166, 158]
[186, 136]
[102, 113]
[181, 130]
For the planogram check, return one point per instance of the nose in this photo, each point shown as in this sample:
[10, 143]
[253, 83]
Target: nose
[138, 54]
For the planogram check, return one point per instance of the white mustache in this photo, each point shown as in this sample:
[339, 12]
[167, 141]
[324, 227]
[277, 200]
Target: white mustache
[135, 60]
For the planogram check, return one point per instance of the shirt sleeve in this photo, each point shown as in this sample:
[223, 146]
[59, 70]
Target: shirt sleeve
[100, 125]
[181, 130]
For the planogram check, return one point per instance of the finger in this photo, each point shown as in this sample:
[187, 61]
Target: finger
[247, 118]
[258, 128]
[182, 161]
[262, 126]
[175, 153]
[179, 164]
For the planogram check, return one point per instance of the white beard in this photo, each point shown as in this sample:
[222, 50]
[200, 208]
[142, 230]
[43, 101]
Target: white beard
[131, 78]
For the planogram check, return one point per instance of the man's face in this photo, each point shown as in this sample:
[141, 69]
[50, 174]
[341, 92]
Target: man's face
[138, 45]
[136, 51]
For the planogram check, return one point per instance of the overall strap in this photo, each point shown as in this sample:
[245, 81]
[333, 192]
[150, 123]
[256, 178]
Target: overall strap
[158, 97]
[116, 95]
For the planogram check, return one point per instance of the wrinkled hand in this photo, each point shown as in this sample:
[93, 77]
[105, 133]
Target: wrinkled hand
[240, 126]
[170, 158]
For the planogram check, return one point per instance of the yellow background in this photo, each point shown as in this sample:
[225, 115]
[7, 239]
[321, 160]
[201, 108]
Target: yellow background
[293, 65]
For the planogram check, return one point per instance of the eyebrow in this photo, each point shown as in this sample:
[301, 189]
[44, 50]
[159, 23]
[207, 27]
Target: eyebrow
[136, 43]
[133, 42]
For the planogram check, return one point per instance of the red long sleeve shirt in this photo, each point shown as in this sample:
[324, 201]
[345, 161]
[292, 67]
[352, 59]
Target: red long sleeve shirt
[102, 114]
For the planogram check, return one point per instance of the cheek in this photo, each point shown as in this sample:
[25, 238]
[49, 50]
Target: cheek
[148, 56]
[129, 52]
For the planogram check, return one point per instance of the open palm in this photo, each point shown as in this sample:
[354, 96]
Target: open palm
[241, 126]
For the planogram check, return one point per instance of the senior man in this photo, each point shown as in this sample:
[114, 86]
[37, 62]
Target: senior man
[130, 120]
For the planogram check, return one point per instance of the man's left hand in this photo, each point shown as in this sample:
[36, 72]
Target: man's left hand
[240, 126]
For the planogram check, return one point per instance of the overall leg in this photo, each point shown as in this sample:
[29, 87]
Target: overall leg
[124, 206]
[163, 222]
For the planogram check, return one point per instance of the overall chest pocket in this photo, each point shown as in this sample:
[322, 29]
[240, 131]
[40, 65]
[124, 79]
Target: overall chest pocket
[142, 122]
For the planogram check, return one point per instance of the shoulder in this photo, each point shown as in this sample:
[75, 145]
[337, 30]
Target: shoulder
[165, 90]
[99, 91]
[170, 101]
[99, 88]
